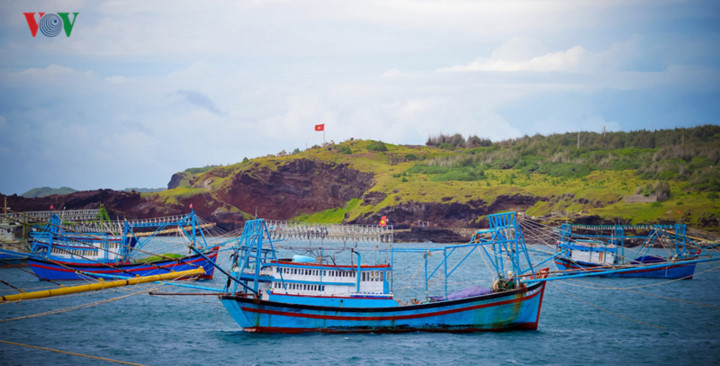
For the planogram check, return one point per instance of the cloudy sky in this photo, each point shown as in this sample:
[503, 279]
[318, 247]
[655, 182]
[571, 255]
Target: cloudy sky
[141, 90]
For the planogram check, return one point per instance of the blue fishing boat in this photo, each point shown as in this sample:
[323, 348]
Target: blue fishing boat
[12, 258]
[59, 270]
[605, 250]
[267, 294]
[60, 252]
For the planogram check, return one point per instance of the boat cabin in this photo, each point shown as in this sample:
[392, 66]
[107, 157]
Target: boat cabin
[316, 279]
[591, 251]
[86, 247]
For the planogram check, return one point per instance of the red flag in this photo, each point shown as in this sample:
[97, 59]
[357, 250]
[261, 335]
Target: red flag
[383, 221]
[52, 207]
[191, 206]
[320, 127]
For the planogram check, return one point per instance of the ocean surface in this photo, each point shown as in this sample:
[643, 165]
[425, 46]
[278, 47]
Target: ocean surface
[590, 321]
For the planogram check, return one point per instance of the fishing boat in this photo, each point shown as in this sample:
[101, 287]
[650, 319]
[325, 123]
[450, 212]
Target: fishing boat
[305, 293]
[16, 226]
[12, 255]
[60, 270]
[59, 252]
[606, 250]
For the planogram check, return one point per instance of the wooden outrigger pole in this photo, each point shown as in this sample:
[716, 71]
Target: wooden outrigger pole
[102, 284]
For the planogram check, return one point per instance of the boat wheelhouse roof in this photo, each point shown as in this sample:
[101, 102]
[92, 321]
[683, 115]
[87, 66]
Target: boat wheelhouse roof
[288, 263]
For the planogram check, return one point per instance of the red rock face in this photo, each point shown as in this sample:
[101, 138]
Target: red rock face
[297, 187]
[294, 188]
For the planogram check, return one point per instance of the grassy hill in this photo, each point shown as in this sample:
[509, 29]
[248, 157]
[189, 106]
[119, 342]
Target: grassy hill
[632, 177]
[47, 191]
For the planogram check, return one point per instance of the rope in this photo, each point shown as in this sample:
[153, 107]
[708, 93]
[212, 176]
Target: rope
[656, 283]
[599, 286]
[658, 296]
[76, 307]
[71, 353]
[412, 278]
[608, 311]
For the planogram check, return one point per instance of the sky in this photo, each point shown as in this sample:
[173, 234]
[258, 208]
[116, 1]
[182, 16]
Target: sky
[143, 89]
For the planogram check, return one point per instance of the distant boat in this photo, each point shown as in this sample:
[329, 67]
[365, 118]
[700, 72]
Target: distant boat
[13, 251]
[59, 270]
[602, 250]
[309, 294]
[11, 256]
[63, 253]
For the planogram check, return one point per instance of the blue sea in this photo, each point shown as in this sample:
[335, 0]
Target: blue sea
[589, 321]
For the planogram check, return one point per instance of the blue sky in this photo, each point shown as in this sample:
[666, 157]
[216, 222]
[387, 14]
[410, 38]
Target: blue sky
[141, 90]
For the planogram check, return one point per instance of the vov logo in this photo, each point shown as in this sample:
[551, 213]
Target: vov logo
[51, 24]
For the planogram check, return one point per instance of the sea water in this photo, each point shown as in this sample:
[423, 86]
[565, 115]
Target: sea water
[582, 322]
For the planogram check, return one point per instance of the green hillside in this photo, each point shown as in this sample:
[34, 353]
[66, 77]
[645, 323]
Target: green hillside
[47, 191]
[634, 177]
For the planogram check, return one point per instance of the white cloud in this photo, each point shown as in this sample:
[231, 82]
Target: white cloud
[517, 55]
[161, 86]
[395, 73]
[51, 73]
[116, 79]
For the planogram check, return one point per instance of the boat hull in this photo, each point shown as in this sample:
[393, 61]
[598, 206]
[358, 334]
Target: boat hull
[670, 271]
[13, 259]
[517, 309]
[47, 270]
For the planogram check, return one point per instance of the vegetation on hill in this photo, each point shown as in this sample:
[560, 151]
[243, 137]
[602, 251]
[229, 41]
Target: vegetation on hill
[47, 191]
[673, 172]
[143, 190]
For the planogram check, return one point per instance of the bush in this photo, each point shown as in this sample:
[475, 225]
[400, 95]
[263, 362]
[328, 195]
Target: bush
[344, 149]
[377, 146]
